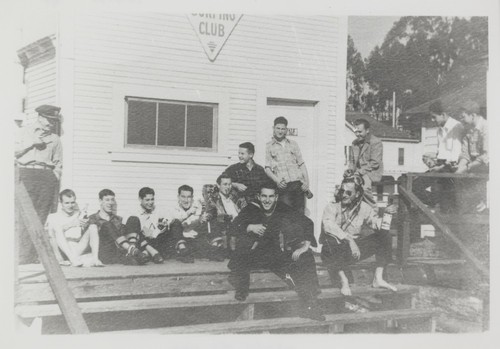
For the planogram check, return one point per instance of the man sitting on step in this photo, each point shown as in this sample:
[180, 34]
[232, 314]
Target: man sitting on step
[116, 243]
[154, 228]
[259, 229]
[66, 235]
[341, 237]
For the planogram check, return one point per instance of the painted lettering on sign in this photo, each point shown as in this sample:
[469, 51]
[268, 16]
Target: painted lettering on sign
[213, 30]
[293, 132]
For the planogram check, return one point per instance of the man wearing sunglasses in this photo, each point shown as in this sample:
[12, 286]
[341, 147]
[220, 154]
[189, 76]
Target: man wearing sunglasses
[343, 241]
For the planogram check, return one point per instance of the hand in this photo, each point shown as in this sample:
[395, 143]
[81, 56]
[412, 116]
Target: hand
[282, 184]
[305, 186]
[296, 254]
[204, 217]
[240, 187]
[83, 222]
[348, 172]
[191, 211]
[436, 168]
[354, 249]
[391, 209]
[258, 229]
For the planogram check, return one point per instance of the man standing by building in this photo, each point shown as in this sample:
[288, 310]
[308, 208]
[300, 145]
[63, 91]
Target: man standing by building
[367, 159]
[258, 245]
[67, 234]
[341, 238]
[247, 176]
[285, 166]
[38, 157]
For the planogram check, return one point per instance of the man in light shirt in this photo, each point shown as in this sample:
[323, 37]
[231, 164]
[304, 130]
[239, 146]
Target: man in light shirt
[67, 234]
[449, 136]
[228, 205]
[153, 225]
[199, 240]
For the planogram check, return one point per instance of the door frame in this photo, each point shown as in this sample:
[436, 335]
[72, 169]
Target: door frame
[318, 169]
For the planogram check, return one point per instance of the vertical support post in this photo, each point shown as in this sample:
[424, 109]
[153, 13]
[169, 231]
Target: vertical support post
[247, 313]
[403, 242]
[336, 328]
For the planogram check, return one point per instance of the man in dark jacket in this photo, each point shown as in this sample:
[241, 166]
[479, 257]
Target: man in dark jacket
[273, 236]
[367, 159]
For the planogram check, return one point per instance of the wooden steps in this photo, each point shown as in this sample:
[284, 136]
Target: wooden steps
[42, 310]
[335, 323]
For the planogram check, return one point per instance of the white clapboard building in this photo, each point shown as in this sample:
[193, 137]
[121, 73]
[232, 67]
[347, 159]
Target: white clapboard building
[161, 100]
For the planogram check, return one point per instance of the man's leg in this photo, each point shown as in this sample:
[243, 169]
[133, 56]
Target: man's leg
[337, 256]
[125, 251]
[90, 238]
[378, 244]
[239, 276]
[135, 236]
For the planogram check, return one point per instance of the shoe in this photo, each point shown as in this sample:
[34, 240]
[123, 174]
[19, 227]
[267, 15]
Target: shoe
[184, 256]
[240, 296]
[142, 258]
[158, 259]
[312, 312]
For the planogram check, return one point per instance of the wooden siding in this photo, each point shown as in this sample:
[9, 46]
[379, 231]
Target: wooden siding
[162, 51]
[40, 82]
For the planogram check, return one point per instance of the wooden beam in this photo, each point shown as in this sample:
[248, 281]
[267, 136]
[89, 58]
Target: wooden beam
[333, 321]
[33, 310]
[57, 281]
[447, 232]
[449, 175]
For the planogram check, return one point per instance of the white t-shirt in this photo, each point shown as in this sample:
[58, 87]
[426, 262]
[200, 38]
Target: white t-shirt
[69, 224]
[450, 140]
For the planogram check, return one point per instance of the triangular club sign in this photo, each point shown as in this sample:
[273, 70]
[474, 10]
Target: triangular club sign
[213, 30]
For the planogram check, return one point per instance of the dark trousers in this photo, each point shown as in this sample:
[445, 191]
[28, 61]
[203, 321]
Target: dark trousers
[337, 254]
[165, 243]
[41, 186]
[293, 196]
[302, 272]
[208, 244]
[110, 251]
[442, 192]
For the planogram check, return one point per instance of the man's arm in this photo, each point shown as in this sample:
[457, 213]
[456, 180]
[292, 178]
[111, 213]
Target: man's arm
[57, 157]
[329, 225]
[376, 153]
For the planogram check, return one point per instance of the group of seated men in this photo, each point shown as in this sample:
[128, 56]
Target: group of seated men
[243, 218]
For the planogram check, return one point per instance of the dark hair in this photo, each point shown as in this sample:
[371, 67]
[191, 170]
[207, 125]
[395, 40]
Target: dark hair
[281, 120]
[106, 192]
[67, 193]
[470, 107]
[358, 186]
[436, 107]
[268, 185]
[185, 187]
[222, 176]
[146, 191]
[248, 146]
[363, 122]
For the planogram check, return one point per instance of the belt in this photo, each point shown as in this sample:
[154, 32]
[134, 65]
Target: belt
[39, 166]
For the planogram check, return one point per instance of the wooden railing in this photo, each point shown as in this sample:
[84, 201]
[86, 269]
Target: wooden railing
[27, 215]
[408, 201]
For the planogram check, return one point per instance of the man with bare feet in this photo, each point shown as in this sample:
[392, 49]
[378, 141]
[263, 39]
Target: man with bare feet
[343, 243]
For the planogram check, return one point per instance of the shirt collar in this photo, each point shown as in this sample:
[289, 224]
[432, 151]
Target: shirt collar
[275, 141]
[144, 212]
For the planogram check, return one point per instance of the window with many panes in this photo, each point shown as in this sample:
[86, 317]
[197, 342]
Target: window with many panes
[401, 156]
[171, 124]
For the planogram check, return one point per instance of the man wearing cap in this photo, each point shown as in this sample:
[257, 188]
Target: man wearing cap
[285, 166]
[38, 156]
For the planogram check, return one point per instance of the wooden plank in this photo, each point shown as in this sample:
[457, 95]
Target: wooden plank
[58, 284]
[403, 237]
[446, 231]
[284, 323]
[28, 311]
[449, 175]
[479, 219]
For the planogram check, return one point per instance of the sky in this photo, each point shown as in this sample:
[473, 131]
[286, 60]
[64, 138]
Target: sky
[369, 31]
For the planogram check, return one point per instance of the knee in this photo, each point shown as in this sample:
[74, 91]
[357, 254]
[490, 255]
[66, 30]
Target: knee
[133, 225]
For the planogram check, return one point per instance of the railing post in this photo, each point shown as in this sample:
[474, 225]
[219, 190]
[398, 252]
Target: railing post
[55, 275]
[403, 242]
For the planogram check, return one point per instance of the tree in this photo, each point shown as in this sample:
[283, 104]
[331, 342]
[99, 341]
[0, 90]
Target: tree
[423, 56]
[355, 80]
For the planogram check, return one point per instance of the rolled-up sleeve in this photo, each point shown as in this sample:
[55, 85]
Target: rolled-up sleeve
[329, 224]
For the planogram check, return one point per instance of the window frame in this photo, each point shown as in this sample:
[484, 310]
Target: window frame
[157, 101]
[401, 156]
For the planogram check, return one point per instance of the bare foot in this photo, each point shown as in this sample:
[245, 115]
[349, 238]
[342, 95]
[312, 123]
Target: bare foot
[345, 290]
[383, 284]
[98, 263]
